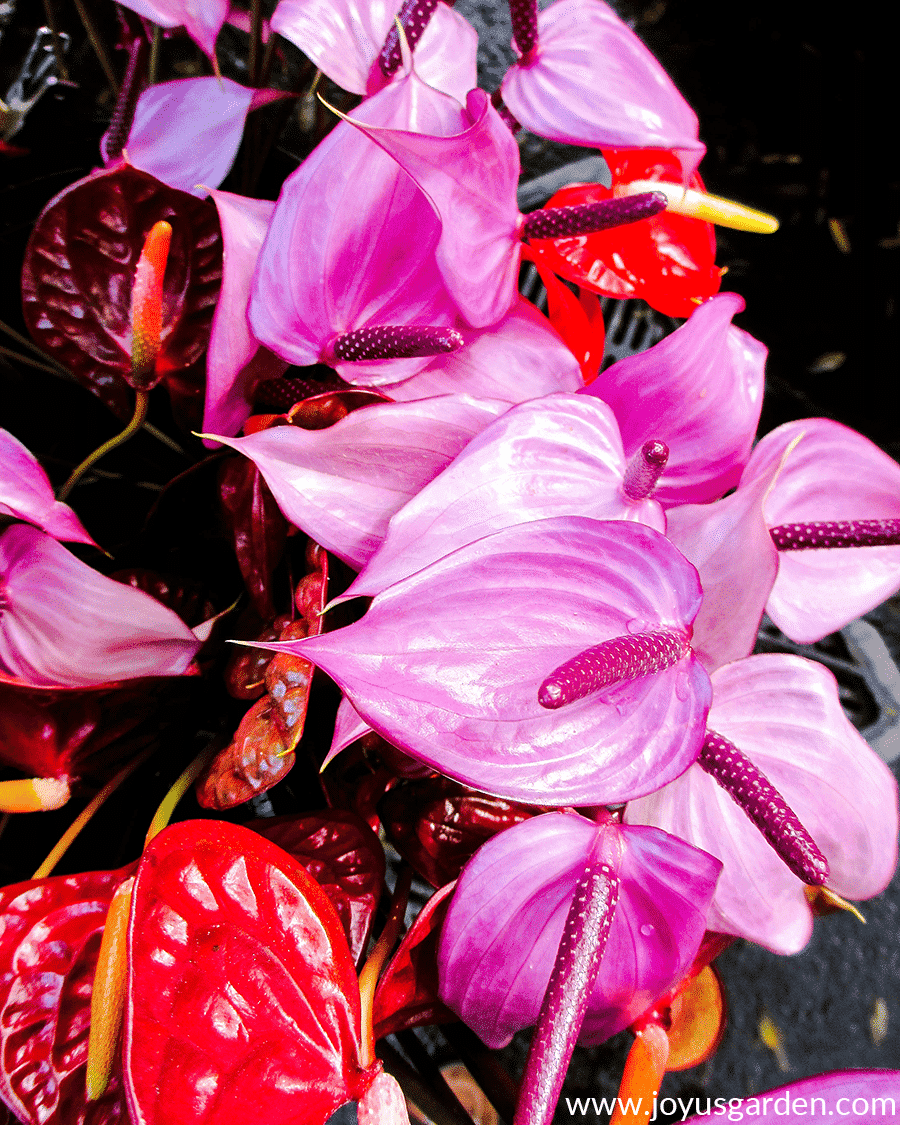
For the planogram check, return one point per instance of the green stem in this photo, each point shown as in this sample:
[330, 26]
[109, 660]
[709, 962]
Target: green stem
[140, 413]
[153, 66]
[99, 46]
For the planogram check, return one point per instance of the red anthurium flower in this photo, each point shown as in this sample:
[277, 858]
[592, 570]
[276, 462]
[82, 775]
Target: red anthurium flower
[589, 80]
[449, 663]
[783, 713]
[62, 623]
[243, 1002]
[50, 932]
[700, 391]
[505, 921]
[344, 38]
[668, 260]
[27, 494]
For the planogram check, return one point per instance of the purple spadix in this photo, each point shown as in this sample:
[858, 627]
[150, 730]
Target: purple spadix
[748, 787]
[615, 660]
[820, 534]
[395, 341]
[413, 17]
[587, 218]
[644, 469]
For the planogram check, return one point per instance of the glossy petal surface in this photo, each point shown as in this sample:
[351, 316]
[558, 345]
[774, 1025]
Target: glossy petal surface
[27, 494]
[556, 456]
[342, 853]
[344, 38]
[506, 919]
[518, 358]
[591, 81]
[336, 259]
[783, 712]
[343, 484]
[79, 273]
[447, 663]
[187, 132]
[50, 932]
[833, 473]
[729, 544]
[470, 174]
[700, 391]
[242, 1000]
[96, 629]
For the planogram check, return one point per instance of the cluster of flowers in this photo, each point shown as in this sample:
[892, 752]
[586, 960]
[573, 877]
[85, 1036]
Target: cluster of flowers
[567, 570]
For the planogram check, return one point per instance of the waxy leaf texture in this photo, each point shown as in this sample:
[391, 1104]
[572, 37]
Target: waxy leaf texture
[50, 931]
[243, 1003]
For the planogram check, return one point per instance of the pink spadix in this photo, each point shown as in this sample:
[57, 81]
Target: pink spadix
[615, 660]
[645, 469]
[413, 17]
[395, 341]
[764, 805]
[572, 981]
[820, 534]
[588, 218]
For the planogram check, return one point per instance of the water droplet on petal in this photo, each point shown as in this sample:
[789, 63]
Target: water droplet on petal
[647, 929]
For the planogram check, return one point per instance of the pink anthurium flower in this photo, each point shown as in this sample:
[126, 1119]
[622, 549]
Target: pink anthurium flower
[700, 391]
[832, 474]
[518, 358]
[27, 494]
[235, 360]
[63, 623]
[858, 1097]
[344, 39]
[347, 268]
[342, 485]
[589, 80]
[503, 929]
[187, 132]
[202, 19]
[783, 713]
[556, 456]
[449, 664]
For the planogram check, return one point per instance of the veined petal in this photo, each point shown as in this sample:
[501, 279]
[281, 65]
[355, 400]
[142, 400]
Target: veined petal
[783, 712]
[202, 19]
[503, 928]
[27, 494]
[591, 81]
[833, 473]
[341, 485]
[556, 456]
[447, 664]
[700, 391]
[63, 623]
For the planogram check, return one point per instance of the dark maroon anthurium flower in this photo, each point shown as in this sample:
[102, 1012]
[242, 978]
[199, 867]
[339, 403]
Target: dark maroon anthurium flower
[50, 932]
[589, 80]
[447, 664]
[27, 494]
[783, 713]
[503, 929]
[79, 273]
[243, 1002]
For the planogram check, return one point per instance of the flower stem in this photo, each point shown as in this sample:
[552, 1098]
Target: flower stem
[371, 971]
[137, 420]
